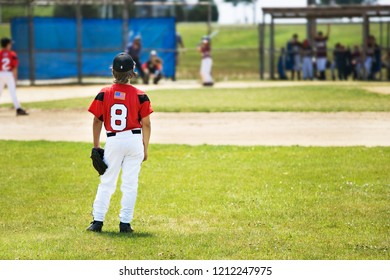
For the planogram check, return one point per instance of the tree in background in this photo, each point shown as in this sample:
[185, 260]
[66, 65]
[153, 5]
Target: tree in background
[345, 2]
[200, 13]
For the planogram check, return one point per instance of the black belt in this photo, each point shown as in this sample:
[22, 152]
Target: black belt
[134, 131]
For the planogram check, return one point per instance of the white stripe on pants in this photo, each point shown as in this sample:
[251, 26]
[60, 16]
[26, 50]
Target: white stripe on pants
[7, 77]
[124, 150]
[205, 69]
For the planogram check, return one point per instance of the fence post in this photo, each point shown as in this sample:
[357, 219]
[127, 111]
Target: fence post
[271, 49]
[125, 24]
[31, 43]
[79, 41]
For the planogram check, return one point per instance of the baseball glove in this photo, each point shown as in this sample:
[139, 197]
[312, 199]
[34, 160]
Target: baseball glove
[97, 160]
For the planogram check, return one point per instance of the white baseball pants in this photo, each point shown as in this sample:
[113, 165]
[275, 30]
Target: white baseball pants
[321, 64]
[6, 77]
[123, 151]
[368, 65]
[205, 69]
[297, 62]
[307, 68]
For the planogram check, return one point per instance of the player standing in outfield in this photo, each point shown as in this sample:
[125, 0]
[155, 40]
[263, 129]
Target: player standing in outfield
[321, 52]
[9, 73]
[207, 62]
[125, 112]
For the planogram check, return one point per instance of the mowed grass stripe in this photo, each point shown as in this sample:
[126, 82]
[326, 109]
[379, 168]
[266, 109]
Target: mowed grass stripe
[201, 202]
[278, 99]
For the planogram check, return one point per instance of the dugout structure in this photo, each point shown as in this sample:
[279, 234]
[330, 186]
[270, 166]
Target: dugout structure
[311, 14]
[53, 48]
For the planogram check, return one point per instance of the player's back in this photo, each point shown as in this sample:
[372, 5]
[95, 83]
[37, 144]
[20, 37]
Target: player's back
[123, 106]
[8, 60]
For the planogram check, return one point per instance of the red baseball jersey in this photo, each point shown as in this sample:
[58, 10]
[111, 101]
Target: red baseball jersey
[121, 107]
[8, 60]
[320, 44]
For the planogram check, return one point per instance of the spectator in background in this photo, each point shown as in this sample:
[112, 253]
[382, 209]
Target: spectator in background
[370, 52]
[153, 68]
[321, 52]
[179, 45]
[296, 56]
[377, 62]
[206, 64]
[307, 64]
[348, 62]
[340, 61]
[134, 50]
[356, 63]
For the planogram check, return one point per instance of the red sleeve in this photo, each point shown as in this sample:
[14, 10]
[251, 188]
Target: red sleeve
[14, 60]
[146, 107]
[96, 107]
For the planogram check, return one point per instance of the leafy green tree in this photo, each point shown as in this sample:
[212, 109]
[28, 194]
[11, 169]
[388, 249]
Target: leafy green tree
[235, 2]
[346, 2]
[200, 13]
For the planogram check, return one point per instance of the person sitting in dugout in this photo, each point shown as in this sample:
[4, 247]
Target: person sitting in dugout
[152, 67]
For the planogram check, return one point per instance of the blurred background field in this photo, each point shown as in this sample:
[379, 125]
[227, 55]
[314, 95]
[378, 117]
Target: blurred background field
[235, 48]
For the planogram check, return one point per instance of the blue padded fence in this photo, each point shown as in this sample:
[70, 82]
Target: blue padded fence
[55, 45]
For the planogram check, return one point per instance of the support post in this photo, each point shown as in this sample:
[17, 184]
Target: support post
[380, 44]
[261, 50]
[31, 43]
[311, 29]
[272, 50]
[365, 38]
[79, 41]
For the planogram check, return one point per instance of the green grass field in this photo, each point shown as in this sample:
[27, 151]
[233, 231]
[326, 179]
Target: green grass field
[202, 202]
[350, 98]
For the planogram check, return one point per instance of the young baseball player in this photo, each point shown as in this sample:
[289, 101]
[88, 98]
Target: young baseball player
[125, 112]
[207, 62]
[9, 73]
[321, 52]
[153, 67]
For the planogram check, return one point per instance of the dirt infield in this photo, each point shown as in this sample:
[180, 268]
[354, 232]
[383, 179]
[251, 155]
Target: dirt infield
[242, 128]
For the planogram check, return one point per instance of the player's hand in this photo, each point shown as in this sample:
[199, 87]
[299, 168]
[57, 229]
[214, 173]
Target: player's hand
[145, 155]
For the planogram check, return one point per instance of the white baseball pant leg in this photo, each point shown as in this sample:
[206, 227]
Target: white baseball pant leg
[124, 150]
[297, 62]
[321, 64]
[205, 69]
[368, 66]
[7, 78]
[307, 68]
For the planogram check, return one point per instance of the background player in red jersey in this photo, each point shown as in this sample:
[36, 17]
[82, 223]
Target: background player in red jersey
[125, 112]
[9, 73]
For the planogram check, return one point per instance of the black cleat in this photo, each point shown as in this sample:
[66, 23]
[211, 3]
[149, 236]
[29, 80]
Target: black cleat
[126, 228]
[95, 226]
[21, 112]
[208, 84]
